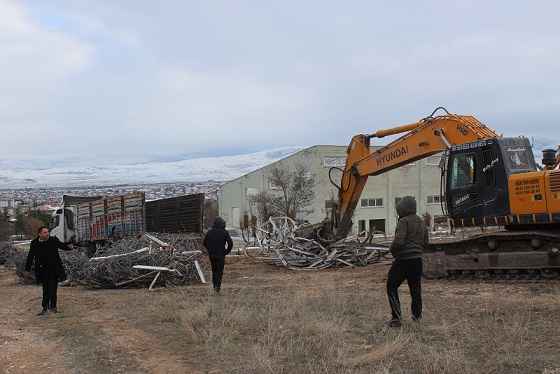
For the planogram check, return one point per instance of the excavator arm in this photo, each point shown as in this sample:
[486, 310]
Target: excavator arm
[424, 138]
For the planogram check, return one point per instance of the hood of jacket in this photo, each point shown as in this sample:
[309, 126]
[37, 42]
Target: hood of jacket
[406, 206]
[219, 223]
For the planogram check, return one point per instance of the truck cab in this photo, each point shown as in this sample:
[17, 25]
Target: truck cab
[63, 224]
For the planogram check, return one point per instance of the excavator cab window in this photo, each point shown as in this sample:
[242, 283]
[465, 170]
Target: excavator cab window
[518, 155]
[463, 171]
[518, 158]
[54, 222]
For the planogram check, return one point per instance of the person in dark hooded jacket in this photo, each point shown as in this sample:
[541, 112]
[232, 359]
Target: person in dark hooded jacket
[43, 254]
[411, 238]
[215, 242]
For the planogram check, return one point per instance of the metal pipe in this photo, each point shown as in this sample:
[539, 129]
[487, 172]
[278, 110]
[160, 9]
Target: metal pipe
[394, 130]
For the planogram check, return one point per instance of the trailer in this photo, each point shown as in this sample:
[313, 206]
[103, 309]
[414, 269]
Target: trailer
[176, 214]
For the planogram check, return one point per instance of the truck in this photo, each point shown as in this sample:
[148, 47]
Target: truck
[91, 220]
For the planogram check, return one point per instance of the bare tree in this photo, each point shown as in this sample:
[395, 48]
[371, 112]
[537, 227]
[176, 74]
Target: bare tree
[292, 191]
[210, 212]
[295, 189]
[31, 226]
[263, 203]
[5, 228]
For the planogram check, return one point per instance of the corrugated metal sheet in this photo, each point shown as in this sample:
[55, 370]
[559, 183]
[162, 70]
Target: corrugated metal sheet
[176, 214]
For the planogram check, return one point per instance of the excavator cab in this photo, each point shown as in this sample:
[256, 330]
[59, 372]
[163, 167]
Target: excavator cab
[477, 176]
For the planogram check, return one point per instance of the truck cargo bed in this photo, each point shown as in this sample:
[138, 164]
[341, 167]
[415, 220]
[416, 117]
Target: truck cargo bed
[110, 217]
[176, 214]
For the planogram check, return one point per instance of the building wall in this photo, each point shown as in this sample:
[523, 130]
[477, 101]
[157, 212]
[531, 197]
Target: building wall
[8, 203]
[420, 180]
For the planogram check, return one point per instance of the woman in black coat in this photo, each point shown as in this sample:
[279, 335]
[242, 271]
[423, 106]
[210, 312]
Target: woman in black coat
[49, 270]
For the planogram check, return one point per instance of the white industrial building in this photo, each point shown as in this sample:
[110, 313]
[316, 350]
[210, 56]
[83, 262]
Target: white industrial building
[12, 203]
[376, 210]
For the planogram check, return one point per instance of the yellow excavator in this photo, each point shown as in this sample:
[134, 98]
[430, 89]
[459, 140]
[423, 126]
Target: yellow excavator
[487, 181]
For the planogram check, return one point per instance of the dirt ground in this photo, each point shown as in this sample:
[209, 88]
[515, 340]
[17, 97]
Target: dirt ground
[270, 320]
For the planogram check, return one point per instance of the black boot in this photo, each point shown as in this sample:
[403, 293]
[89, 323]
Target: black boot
[42, 312]
[394, 323]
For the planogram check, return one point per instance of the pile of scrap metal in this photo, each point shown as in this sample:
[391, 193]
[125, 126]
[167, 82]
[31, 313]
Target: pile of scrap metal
[7, 253]
[146, 261]
[280, 241]
[74, 264]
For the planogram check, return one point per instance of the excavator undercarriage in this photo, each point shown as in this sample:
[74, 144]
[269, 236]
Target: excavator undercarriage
[495, 254]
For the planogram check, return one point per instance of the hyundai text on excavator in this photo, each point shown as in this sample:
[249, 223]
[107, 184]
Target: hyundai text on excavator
[487, 181]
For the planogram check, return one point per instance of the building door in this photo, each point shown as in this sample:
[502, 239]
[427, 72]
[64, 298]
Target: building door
[377, 225]
[361, 226]
[235, 217]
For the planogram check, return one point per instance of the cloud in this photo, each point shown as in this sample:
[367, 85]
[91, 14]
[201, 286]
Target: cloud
[200, 110]
[34, 63]
[31, 51]
[138, 80]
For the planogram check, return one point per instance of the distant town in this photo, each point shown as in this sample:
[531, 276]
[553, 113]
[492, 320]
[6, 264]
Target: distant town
[49, 198]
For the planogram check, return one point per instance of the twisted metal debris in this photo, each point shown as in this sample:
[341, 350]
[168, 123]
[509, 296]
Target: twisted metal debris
[7, 253]
[113, 265]
[277, 241]
[74, 263]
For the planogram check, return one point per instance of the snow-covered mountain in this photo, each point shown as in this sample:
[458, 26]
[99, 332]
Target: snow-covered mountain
[16, 175]
[20, 174]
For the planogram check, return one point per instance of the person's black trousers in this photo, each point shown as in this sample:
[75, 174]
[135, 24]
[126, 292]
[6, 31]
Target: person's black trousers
[217, 271]
[50, 285]
[411, 270]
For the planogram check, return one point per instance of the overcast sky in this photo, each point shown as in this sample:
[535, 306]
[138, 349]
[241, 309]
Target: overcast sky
[139, 80]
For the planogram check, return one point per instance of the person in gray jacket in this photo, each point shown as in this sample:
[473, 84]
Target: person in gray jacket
[411, 238]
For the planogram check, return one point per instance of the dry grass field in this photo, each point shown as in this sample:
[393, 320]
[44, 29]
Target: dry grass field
[270, 320]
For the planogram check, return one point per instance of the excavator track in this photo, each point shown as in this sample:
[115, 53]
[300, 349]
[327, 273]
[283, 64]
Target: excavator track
[531, 255]
[504, 276]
